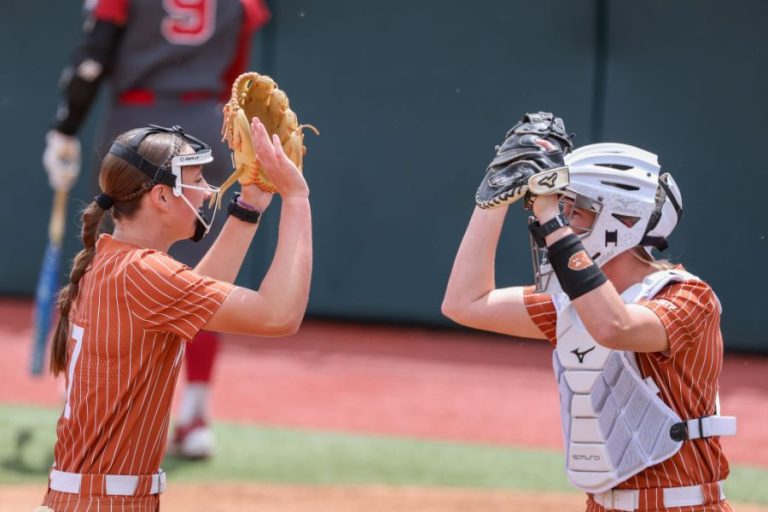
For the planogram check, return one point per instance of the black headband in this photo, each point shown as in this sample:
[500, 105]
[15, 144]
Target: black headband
[129, 152]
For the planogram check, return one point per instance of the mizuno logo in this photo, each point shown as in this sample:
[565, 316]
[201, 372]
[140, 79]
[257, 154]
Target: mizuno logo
[581, 355]
[548, 181]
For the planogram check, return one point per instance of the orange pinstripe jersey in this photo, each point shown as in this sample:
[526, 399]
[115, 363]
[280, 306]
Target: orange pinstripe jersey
[135, 309]
[687, 378]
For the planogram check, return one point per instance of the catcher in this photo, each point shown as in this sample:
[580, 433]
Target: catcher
[638, 348]
[130, 309]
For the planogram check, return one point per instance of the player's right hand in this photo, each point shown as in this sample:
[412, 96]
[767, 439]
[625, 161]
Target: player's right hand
[61, 160]
[283, 173]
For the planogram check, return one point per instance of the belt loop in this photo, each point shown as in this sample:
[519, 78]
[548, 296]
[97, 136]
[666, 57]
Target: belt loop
[713, 492]
[651, 499]
[144, 486]
[93, 485]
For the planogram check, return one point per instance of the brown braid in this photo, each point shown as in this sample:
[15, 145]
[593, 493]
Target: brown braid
[125, 207]
[126, 185]
[91, 221]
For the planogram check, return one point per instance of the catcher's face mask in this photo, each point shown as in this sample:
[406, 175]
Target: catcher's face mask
[173, 176]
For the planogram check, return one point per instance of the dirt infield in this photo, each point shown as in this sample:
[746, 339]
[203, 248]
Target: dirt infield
[274, 498]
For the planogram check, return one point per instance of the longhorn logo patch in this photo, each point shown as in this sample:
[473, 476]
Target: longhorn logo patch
[579, 261]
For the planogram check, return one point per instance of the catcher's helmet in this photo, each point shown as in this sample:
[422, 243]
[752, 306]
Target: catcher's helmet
[634, 205]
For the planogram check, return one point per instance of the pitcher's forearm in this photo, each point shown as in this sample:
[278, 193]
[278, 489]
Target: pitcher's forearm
[286, 285]
[225, 257]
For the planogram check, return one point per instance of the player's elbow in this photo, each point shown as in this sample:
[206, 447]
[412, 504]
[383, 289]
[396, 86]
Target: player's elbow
[283, 324]
[609, 335]
[449, 308]
[278, 330]
[454, 310]
[461, 303]
[292, 326]
[633, 337]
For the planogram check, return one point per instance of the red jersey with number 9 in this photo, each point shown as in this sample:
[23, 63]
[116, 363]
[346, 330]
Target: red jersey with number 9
[172, 46]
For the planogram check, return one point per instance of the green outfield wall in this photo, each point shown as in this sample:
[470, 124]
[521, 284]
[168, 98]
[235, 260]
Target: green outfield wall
[410, 98]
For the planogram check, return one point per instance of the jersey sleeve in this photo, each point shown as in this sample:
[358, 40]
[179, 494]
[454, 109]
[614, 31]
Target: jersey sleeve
[81, 79]
[257, 14]
[685, 310]
[168, 296]
[112, 11]
[542, 311]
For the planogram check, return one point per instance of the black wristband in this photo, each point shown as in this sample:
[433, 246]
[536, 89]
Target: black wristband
[241, 213]
[573, 267]
[540, 231]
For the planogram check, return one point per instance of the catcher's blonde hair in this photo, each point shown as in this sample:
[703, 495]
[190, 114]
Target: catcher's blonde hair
[642, 255]
[125, 185]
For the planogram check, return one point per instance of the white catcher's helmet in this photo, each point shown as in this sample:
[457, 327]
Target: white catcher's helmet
[634, 205]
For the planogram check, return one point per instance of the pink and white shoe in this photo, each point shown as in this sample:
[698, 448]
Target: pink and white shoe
[194, 440]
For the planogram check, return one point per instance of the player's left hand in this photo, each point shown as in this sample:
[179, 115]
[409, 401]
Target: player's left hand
[254, 195]
[61, 160]
[529, 162]
[280, 170]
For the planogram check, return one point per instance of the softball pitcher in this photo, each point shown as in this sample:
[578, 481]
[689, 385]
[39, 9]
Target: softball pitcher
[166, 62]
[130, 308]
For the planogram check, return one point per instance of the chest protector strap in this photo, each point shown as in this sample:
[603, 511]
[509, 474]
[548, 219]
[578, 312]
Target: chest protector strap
[614, 423]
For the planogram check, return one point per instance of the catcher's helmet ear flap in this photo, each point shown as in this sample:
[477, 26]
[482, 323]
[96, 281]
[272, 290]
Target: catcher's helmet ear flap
[666, 214]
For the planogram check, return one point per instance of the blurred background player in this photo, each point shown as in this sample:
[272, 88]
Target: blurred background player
[167, 62]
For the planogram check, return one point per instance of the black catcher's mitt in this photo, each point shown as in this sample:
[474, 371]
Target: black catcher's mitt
[529, 161]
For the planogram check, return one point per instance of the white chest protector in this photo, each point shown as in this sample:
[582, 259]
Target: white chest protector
[614, 423]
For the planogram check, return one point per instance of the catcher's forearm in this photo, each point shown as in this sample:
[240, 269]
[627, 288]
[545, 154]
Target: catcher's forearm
[286, 284]
[473, 273]
[225, 257]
